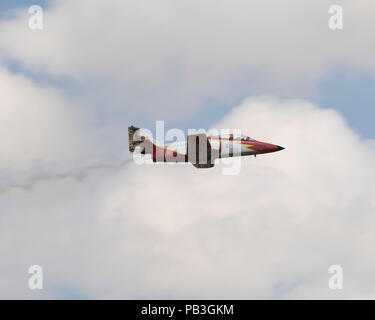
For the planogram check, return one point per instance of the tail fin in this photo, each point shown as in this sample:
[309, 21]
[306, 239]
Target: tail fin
[132, 144]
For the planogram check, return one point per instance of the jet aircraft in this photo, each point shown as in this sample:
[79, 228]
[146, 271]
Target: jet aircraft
[199, 149]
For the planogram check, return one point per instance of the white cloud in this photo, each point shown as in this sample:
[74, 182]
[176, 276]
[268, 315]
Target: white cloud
[166, 57]
[175, 231]
[39, 129]
[179, 232]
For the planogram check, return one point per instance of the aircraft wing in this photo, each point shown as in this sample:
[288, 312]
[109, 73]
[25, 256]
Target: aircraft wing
[199, 151]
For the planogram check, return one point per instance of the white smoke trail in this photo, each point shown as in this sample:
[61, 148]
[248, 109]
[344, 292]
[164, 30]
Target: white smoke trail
[78, 174]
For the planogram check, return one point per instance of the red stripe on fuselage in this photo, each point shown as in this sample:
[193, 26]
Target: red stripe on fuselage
[160, 154]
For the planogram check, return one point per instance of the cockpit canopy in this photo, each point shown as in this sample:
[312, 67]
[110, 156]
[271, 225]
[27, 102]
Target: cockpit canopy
[246, 138]
[241, 137]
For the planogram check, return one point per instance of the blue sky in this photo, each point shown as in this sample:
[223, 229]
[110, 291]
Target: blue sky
[350, 91]
[11, 4]
[298, 200]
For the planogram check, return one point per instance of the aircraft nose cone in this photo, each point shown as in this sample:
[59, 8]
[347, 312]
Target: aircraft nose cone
[280, 148]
